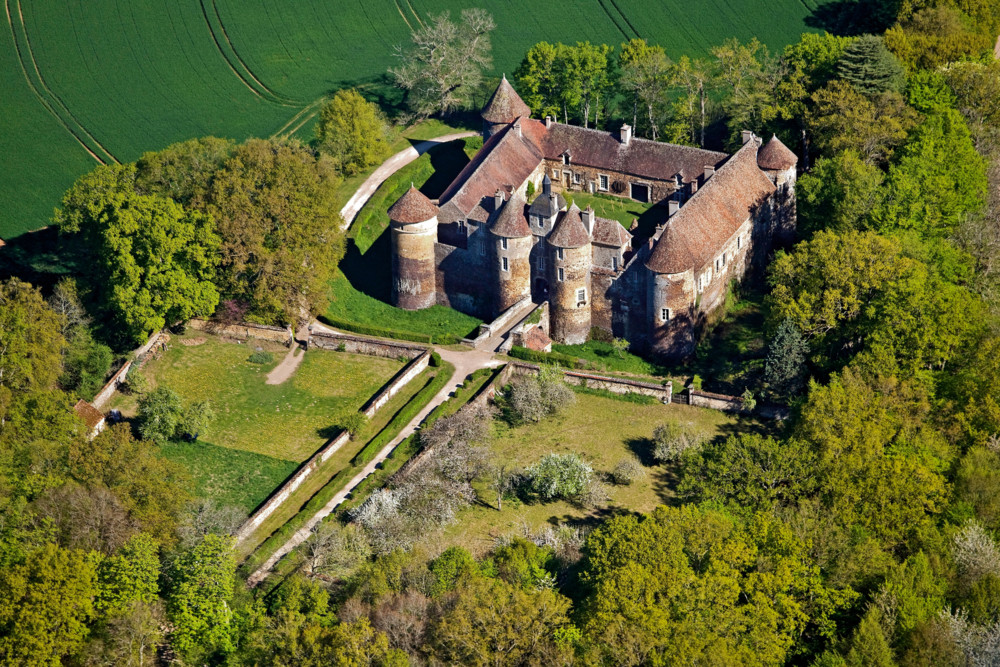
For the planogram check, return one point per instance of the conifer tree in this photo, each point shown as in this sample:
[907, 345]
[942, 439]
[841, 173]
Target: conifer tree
[785, 366]
[870, 67]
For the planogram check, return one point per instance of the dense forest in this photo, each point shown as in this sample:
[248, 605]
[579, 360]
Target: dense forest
[862, 531]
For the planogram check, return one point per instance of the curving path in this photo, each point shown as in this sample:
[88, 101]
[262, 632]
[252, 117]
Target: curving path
[390, 167]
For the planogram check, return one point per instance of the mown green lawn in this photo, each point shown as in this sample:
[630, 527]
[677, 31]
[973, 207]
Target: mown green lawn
[601, 430]
[289, 421]
[604, 357]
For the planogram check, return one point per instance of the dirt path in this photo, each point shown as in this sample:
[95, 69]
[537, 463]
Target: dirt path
[390, 167]
[287, 367]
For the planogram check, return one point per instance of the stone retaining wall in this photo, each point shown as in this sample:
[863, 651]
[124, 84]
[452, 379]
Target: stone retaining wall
[609, 383]
[410, 371]
[108, 390]
[375, 347]
[244, 331]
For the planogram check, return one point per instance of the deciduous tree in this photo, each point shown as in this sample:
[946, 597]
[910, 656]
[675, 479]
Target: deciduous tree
[353, 131]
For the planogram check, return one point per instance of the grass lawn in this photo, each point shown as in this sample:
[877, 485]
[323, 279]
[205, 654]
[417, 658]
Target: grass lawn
[604, 357]
[229, 476]
[603, 431]
[622, 210]
[361, 291]
[289, 421]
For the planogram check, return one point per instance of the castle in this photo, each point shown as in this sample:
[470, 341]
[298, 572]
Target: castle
[481, 248]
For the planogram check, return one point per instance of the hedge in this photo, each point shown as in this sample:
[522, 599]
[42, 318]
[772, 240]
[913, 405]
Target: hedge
[547, 357]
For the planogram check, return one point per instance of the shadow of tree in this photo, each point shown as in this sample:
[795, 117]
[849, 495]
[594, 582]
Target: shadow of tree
[854, 17]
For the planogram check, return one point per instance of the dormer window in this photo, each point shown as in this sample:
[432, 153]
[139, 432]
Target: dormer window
[565, 157]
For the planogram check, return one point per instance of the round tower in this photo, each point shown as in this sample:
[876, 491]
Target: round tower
[570, 259]
[413, 219]
[671, 295]
[504, 107]
[512, 243]
[778, 163]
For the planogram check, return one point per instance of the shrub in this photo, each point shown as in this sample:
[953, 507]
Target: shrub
[558, 476]
[696, 382]
[135, 382]
[671, 440]
[353, 423]
[160, 413]
[627, 471]
[435, 359]
[533, 398]
[594, 495]
[261, 357]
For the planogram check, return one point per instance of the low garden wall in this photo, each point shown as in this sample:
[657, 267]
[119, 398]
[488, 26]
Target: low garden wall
[375, 347]
[109, 389]
[410, 371]
[613, 384]
[727, 403]
[244, 331]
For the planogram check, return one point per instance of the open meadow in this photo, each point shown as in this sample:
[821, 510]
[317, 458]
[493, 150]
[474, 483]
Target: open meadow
[603, 431]
[107, 80]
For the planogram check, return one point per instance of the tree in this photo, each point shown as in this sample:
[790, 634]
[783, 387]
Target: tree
[335, 550]
[869, 646]
[128, 577]
[977, 92]
[358, 645]
[977, 484]
[845, 119]
[558, 476]
[277, 212]
[30, 341]
[531, 399]
[747, 73]
[672, 439]
[936, 182]
[132, 637]
[353, 131]
[870, 67]
[489, 622]
[198, 597]
[750, 472]
[538, 79]
[445, 63]
[689, 112]
[45, 605]
[525, 564]
[644, 71]
[455, 565]
[160, 413]
[936, 36]
[839, 194]
[183, 171]
[195, 418]
[785, 365]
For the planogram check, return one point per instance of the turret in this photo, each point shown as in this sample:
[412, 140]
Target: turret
[778, 163]
[570, 259]
[512, 244]
[545, 209]
[504, 107]
[413, 219]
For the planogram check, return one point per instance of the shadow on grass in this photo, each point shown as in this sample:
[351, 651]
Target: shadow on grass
[42, 257]
[370, 273]
[448, 160]
[642, 448]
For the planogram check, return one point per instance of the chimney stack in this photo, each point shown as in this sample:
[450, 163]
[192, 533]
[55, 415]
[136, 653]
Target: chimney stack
[498, 200]
[747, 136]
[709, 171]
[587, 215]
[626, 134]
[672, 207]
[517, 126]
[548, 122]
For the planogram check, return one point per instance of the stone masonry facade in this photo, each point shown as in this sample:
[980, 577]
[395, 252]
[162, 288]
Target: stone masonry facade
[481, 247]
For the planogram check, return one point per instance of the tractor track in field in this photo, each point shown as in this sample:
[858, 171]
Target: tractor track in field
[400, 10]
[616, 22]
[309, 109]
[625, 18]
[55, 101]
[246, 76]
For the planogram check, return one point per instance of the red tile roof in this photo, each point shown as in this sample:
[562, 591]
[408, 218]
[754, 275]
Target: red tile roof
[713, 214]
[640, 157]
[610, 233]
[91, 416]
[512, 222]
[569, 231]
[537, 340]
[505, 105]
[776, 156]
[412, 207]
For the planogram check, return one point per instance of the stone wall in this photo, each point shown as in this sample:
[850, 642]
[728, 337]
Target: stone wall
[513, 284]
[373, 347]
[410, 371]
[461, 277]
[108, 390]
[590, 182]
[244, 331]
[609, 383]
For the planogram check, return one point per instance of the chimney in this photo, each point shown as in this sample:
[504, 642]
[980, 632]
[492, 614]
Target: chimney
[709, 171]
[548, 122]
[626, 134]
[517, 126]
[747, 136]
[672, 207]
[546, 185]
[498, 200]
[587, 216]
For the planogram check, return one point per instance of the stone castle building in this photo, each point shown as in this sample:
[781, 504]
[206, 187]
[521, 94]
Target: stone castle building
[482, 248]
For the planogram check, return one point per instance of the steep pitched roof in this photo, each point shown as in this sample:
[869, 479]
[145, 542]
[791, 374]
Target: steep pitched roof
[505, 105]
[412, 207]
[713, 214]
[547, 205]
[640, 157]
[537, 340]
[610, 233]
[91, 416]
[506, 159]
[569, 231]
[511, 221]
[776, 156]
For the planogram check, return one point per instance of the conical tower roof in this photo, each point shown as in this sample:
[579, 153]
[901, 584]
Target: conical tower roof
[569, 232]
[511, 223]
[505, 105]
[776, 156]
[412, 207]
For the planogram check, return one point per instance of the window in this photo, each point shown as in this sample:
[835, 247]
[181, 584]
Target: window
[537, 220]
[559, 253]
[576, 178]
[541, 260]
[482, 249]
[739, 242]
[723, 259]
[614, 263]
[461, 227]
[581, 296]
[602, 181]
[555, 174]
[505, 266]
[565, 158]
[717, 264]
[665, 314]
[701, 286]
[503, 243]
[562, 275]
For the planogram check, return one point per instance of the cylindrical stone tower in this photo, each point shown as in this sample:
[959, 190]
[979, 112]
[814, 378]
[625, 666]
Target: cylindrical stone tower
[413, 219]
[569, 262]
[512, 244]
[671, 297]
